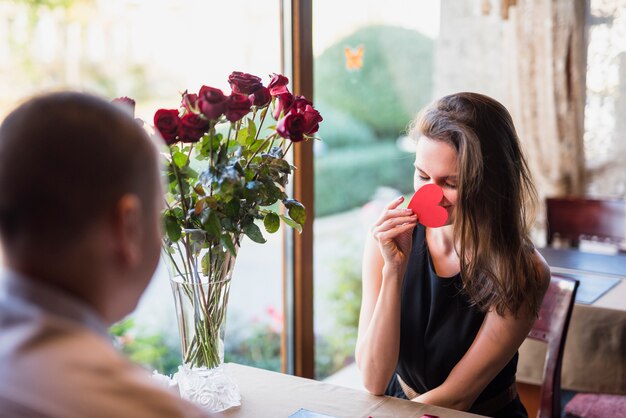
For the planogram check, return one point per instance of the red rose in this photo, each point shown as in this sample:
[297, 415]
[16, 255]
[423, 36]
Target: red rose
[190, 102]
[211, 102]
[299, 103]
[278, 85]
[192, 127]
[302, 106]
[166, 121]
[261, 97]
[283, 103]
[125, 103]
[238, 105]
[292, 126]
[312, 119]
[244, 83]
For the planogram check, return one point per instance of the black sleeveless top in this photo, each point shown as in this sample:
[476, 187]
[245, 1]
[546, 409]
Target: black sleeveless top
[437, 326]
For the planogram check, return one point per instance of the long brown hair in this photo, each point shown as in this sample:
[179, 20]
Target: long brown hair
[496, 200]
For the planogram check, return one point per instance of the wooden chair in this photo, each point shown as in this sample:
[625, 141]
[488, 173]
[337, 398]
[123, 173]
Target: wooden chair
[571, 218]
[551, 327]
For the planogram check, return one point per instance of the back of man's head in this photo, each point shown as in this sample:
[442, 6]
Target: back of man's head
[65, 161]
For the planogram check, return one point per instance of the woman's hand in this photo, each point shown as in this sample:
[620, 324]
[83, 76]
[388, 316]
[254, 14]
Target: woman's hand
[392, 232]
[384, 261]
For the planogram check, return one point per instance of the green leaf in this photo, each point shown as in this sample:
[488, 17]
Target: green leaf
[180, 159]
[253, 231]
[296, 210]
[205, 263]
[228, 243]
[298, 214]
[232, 209]
[256, 145]
[251, 132]
[213, 225]
[209, 144]
[291, 223]
[282, 166]
[222, 156]
[242, 136]
[172, 228]
[271, 222]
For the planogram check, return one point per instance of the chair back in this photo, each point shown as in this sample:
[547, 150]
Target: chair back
[551, 327]
[572, 217]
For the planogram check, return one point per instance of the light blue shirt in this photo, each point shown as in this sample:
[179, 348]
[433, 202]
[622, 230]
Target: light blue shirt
[57, 360]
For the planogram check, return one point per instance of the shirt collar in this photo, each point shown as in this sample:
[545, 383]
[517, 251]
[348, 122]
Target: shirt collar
[17, 288]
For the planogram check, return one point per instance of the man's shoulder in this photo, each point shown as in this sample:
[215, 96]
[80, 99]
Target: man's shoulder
[76, 372]
[125, 400]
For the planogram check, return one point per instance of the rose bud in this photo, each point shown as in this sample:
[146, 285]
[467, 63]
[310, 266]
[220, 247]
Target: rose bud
[211, 102]
[192, 127]
[261, 97]
[125, 103]
[278, 85]
[244, 83]
[283, 104]
[312, 118]
[292, 127]
[238, 105]
[166, 121]
[190, 102]
[300, 103]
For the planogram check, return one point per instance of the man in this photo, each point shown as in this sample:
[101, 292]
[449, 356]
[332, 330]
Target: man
[80, 230]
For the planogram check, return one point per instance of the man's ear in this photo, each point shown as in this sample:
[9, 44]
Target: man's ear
[128, 229]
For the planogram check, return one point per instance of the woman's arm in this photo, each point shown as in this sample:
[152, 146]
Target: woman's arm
[384, 262]
[495, 344]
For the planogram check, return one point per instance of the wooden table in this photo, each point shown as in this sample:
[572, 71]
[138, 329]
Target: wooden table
[595, 350]
[276, 395]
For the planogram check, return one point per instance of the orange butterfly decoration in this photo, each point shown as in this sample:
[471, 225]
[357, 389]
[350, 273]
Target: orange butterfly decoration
[354, 57]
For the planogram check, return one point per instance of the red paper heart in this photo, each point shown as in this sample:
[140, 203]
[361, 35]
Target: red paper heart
[425, 204]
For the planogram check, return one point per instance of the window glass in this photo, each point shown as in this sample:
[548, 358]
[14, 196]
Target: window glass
[152, 51]
[373, 70]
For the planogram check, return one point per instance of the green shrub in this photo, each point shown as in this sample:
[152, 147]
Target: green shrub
[261, 348]
[348, 178]
[393, 84]
[336, 350]
[151, 350]
[340, 130]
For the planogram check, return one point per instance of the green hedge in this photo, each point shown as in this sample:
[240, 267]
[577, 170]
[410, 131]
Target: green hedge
[339, 129]
[347, 178]
[394, 83]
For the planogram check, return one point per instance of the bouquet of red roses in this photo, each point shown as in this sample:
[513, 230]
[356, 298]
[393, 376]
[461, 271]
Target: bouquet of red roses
[220, 181]
[225, 172]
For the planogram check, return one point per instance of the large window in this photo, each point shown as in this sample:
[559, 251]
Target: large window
[373, 71]
[152, 51]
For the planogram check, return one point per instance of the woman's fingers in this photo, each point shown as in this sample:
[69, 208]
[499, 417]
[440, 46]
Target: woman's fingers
[395, 203]
[391, 224]
[392, 211]
[390, 234]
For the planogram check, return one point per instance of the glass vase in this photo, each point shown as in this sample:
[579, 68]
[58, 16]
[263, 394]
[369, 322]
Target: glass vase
[201, 299]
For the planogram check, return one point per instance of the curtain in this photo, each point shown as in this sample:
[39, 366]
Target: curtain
[545, 70]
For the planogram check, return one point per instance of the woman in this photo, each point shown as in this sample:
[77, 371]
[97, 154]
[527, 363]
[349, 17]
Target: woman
[444, 310]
